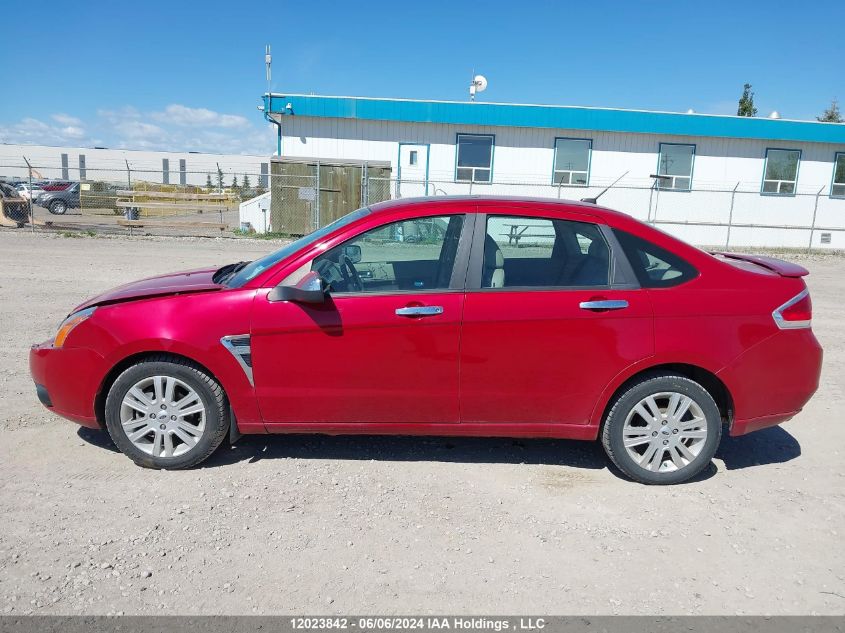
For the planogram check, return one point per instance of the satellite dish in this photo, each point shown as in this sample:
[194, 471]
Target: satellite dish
[690, 111]
[774, 115]
[478, 84]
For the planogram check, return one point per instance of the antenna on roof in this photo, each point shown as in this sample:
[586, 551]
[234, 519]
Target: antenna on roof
[268, 60]
[478, 84]
[594, 199]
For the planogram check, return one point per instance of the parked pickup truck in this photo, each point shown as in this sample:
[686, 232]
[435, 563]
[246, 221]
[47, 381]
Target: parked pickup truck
[58, 202]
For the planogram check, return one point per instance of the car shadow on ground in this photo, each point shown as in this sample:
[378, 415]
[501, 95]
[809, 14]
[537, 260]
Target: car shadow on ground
[768, 446]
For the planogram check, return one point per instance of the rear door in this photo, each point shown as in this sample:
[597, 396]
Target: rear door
[549, 319]
[413, 170]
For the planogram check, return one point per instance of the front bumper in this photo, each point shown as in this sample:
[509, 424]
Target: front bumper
[67, 380]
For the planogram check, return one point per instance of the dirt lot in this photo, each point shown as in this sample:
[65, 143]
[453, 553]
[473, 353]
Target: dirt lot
[386, 525]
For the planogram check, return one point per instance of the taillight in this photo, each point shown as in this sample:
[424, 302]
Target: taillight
[795, 313]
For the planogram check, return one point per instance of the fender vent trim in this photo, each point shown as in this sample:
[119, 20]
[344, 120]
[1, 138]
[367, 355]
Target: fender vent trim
[239, 346]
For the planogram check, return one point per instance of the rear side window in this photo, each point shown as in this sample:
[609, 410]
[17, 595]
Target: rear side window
[543, 253]
[655, 267]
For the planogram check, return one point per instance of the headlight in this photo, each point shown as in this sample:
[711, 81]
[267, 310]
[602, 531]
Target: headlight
[69, 323]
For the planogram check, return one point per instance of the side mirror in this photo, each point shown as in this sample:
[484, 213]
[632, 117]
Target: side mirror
[310, 289]
[352, 252]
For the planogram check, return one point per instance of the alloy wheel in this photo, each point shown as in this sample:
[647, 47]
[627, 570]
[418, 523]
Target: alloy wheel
[163, 416]
[665, 432]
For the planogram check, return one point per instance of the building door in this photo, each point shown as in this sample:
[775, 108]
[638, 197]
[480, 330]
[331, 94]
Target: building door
[412, 174]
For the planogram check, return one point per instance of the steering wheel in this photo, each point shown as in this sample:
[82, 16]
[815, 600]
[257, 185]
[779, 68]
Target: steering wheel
[350, 274]
[342, 273]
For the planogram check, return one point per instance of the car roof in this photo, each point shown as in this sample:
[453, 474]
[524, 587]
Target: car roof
[548, 204]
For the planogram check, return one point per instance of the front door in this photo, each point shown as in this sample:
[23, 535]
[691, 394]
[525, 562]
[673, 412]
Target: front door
[546, 327]
[383, 348]
[413, 170]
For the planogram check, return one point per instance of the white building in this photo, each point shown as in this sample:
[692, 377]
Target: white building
[120, 165]
[776, 182]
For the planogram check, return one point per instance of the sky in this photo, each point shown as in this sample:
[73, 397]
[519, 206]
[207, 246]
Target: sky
[188, 76]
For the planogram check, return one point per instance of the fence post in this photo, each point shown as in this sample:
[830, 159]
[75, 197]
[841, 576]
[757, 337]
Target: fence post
[730, 217]
[31, 208]
[316, 219]
[813, 225]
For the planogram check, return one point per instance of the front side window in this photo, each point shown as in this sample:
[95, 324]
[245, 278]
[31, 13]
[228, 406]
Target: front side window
[474, 161]
[540, 252]
[654, 267]
[572, 161]
[837, 188]
[675, 163]
[408, 256]
[781, 171]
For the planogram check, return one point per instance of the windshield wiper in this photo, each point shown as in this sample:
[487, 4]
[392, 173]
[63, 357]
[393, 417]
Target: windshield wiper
[226, 273]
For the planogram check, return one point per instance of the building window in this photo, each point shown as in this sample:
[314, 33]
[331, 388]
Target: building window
[165, 171]
[412, 159]
[837, 188]
[183, 172]
[780, 173]
[65, 170]
[262, 179]
[475, 158]
[83, 175]
[572, 161]
[675, 162]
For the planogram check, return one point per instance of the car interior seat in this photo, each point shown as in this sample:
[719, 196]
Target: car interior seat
[593, 270]
[493, 272]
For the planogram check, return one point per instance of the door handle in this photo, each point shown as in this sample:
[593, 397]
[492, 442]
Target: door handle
[604, 304]
[419, 311]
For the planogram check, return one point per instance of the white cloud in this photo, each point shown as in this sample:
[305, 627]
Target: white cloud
[66, 119]
[177, 114]
[176, 128]
[31, 131]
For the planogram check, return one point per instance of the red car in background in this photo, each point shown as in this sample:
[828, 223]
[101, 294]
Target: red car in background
[452, 316]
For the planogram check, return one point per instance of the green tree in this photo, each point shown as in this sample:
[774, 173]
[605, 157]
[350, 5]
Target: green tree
[746, 102]
[832, 114]
[220, 179]
[208, 184]
[245, 184]
[235, 182]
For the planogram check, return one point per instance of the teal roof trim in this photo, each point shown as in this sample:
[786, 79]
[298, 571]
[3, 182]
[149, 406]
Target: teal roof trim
[555, 117]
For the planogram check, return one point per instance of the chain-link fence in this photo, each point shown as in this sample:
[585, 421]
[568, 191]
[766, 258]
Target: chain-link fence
[295, 197]
[106, 197]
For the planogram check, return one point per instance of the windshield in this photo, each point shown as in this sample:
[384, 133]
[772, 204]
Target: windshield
[253, 269]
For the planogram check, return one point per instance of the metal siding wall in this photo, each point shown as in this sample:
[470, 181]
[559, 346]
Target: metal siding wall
[525, 155]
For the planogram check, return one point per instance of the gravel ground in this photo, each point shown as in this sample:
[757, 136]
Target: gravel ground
[308, 524]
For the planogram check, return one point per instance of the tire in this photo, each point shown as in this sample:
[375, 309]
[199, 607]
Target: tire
[663, 448]
[58, 207]
[188, 438]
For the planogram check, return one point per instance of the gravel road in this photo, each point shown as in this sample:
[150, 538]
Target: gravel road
[309, 524]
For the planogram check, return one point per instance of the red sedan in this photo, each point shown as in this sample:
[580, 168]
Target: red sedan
[452, 316]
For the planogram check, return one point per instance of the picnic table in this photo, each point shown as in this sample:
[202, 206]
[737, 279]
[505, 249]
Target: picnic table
[519, 230]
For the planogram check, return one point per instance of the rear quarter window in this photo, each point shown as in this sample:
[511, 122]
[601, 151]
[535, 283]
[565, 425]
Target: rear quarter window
[655, 267]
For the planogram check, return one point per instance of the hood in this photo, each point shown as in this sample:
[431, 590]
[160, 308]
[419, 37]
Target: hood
[170, 284]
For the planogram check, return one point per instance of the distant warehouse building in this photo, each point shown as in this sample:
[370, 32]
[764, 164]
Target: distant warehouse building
[706, 178]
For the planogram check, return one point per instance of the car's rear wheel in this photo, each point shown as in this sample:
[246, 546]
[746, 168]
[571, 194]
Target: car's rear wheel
[663, 429]
[59, 207]
[166, 413]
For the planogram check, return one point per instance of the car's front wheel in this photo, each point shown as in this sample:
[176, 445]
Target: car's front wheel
[663, 429]
[59, 207]
[166, 413]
